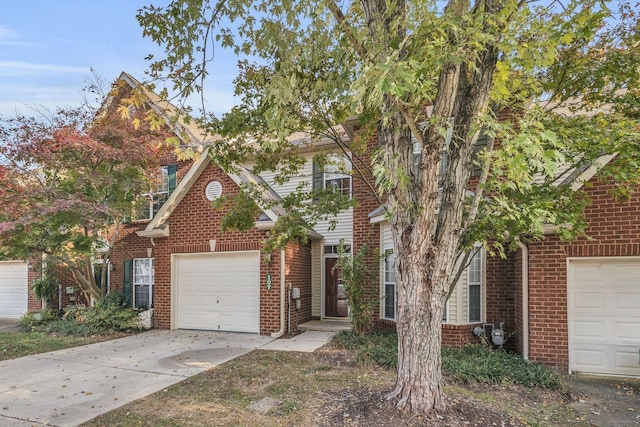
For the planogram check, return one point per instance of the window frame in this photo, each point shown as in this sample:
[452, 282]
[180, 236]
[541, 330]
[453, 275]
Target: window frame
[157, 196]
[477, 260]
[388, 253]
[135, 280]
[335, 169]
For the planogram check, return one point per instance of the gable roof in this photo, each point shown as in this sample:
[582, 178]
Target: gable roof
[191, 135]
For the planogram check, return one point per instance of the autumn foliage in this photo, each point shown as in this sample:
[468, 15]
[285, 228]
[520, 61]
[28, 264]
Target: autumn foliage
[68, 180]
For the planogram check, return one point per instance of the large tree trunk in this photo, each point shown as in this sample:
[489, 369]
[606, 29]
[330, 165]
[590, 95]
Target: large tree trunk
[418, 386]
[427, 207]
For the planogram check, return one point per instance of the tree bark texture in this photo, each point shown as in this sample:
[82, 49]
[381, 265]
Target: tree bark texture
[427, 209]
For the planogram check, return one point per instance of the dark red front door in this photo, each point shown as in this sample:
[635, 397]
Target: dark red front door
[335, 301]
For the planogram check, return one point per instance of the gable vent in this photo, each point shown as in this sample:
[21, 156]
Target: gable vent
[213, 190]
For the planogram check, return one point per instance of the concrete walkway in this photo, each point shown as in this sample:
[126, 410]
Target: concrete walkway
[71, 386]
[9, 325]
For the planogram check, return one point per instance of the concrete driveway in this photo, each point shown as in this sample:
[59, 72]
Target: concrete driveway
[69, 387]
[606, 401]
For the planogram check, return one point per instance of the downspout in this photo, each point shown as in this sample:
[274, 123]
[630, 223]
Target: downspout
[282, 297]
[525, 299]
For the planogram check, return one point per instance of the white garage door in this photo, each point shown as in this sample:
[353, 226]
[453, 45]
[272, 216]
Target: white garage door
[13, 289]
[218, 291]
[604, 316]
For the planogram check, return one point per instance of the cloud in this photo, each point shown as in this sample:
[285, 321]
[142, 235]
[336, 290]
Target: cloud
[29, 99]
[8, 37]
[20, 69]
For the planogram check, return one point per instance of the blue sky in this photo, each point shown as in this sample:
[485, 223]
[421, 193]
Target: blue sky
[47, 48]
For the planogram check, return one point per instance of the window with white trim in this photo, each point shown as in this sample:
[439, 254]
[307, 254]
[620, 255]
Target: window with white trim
[143, 279]
[334, 174]
[475, 275]
[390, 305]
[151, 202]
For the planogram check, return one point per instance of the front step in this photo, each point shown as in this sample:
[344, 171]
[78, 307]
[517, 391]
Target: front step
[326, 325]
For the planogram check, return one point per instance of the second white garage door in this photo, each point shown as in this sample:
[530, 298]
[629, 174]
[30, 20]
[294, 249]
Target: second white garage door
[13, 289]
[604, 316]
[218, 291]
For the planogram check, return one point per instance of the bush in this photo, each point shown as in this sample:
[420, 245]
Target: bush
[478, 363]
[108, 315]
[470, 364]
[356, 274]
[376, 347]
[36, 320]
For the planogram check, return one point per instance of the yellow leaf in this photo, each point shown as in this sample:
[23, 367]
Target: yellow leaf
[123, 111]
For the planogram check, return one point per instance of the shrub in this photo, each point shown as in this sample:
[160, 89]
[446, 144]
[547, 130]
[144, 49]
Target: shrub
[376, 347]
[478, 363]
[71, 328]
[36, 320]
[354, 273]
[107, 315]
[470, 364]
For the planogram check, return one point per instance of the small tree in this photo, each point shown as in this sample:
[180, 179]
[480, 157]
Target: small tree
[46, 285]
[357, 279]
[67, 183]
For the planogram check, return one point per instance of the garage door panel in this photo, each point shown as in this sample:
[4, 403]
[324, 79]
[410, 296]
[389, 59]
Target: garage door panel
[604, 316]
[588, 330]
[623, 272]
[588, 273]
[219, 291]
[628, 331]
[591, 301]
[590, 357]
[13, 289]
[627, 358]
[628, 302]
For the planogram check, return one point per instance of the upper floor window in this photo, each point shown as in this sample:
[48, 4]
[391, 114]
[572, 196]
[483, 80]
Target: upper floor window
[334, 174]
[152, 201]
[478, 147]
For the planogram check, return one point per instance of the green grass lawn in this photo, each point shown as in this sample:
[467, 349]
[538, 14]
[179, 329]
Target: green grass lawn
[18, 344]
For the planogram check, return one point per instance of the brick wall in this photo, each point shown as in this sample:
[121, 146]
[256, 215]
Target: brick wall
[33, 303]
[365, 233]
[614, 230]
[457, 336]
[192, 225]
[298, 275]
[500, 293]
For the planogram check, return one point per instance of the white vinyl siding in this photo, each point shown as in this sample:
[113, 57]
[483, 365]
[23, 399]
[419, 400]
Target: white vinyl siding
[305, 175]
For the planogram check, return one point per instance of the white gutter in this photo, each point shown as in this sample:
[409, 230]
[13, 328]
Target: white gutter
[525, 299]
[282, 297]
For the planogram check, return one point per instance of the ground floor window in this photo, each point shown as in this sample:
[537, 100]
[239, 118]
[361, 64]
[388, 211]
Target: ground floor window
[143, 278]
[474, 285]
[389, 286]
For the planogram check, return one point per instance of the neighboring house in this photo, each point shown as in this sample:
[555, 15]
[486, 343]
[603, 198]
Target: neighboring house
[16, 298]
[575, 306]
